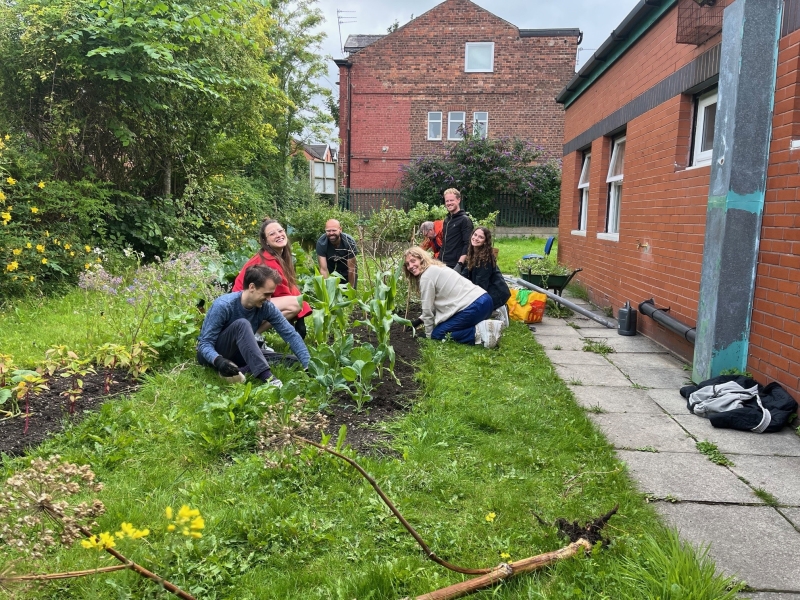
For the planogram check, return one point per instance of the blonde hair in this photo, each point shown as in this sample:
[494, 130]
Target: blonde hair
[425, 261]
[453, 191]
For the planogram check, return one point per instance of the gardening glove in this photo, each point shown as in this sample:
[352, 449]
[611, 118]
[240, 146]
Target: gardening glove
[416, 322]
[458, 268]
[226, 368]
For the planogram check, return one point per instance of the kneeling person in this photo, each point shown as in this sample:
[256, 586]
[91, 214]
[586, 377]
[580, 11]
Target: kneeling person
[227, 342]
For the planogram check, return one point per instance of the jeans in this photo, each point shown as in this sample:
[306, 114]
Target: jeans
[237, 343]
[461, 326]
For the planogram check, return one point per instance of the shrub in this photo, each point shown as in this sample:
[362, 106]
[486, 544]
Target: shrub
[307, 221]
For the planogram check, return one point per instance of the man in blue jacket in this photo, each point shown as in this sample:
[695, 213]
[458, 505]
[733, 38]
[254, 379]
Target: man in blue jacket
[227, 341]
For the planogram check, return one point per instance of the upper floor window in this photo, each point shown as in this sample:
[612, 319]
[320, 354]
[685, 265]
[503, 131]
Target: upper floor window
[323, 177]
[455, 125]
[706, 117]
[583, 186]
[434, 125]
[479, 57]
[614, 179]
[480, 124]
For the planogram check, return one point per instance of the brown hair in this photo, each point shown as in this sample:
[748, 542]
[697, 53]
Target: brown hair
[482, 255]
[284, 258]
[259, 274]
[425, 262]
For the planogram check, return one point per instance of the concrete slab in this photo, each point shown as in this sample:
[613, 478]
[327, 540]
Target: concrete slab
[733, 442]
[624, 344]
[577, 357]
[615, 399]
[671, 379]
[769, 596]
[561, 331]
[774, 474]
[670, 400]
[687, 477]
[793, 514]
[630, 362]
[593, 375]
[634, 431]
[564, 343]
[754, 543]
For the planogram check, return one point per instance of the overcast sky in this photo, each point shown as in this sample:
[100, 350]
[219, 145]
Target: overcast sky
[595, 18]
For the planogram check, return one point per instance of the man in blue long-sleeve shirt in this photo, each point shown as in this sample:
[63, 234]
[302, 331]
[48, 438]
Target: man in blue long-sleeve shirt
[227, 341]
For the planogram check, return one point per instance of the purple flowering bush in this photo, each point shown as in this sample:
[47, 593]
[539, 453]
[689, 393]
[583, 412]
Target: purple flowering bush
[483, 168]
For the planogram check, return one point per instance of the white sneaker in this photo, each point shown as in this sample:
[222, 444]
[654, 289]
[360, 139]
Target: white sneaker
[238, 378]
[274, 382]
[501, 314]
[493, 329]
[480, 333]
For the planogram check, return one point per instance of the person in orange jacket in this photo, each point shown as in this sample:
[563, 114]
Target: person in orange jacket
[432, 232]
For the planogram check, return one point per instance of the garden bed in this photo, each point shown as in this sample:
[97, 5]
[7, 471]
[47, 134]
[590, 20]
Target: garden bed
[388, 400]
[50, 411]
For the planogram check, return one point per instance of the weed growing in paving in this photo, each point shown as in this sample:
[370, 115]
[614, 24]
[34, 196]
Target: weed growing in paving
[768, 498]
[714, 455]
[557, 347]
[596, 409]
[647, 449]
[598, 346]
[573, 325]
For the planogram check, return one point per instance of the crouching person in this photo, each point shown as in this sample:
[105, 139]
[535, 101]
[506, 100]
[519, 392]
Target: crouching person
[451, 304]
[227, 342]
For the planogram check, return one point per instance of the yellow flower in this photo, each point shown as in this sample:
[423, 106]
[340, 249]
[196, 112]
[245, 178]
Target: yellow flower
[105, 540]
[490, 517]
[67, 246]
[188, 520]
[128, 530]
[170, 527]
[39, 248]
[34, 210]
[28, 245]
[16, 251]
[87, 266]
[31, 278]
[12, 266]
[87, 248]
[44, 261]
[168, 512]
[98, 260]
[11, 180]
[8, 137]
[505, 555]
[6, 216]
[47, 233]
[72, 253]
[2, 197]
[40, 185]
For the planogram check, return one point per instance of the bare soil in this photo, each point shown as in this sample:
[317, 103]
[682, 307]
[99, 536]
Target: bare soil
[388, 400]
[49, 411]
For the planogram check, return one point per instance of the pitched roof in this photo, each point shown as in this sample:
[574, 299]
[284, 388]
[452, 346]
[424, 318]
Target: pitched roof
[318, 151]
[354, 43]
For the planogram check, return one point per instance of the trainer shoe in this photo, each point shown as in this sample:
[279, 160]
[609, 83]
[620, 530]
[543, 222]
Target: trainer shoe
[238, 378]
[493, 329]
[274, 382]
[501, 314]
[480, 332]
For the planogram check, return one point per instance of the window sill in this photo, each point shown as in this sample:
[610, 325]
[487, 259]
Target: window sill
[611, 237]
[578, 232]
[700, 166]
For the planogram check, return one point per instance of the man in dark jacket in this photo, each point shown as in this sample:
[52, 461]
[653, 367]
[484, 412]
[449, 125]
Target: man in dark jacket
[456, 231]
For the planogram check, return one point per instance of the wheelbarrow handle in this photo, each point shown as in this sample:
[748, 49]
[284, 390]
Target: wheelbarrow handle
[575, 272]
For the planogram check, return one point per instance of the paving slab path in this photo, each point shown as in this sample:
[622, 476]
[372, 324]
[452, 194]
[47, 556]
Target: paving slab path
[747, 512]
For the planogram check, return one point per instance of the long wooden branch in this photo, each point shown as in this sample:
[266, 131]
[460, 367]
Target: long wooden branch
[66, 575]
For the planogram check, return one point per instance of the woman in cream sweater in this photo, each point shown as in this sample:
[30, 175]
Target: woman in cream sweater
[451, 304]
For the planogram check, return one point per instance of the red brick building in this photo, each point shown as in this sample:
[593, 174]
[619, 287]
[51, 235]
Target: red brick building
[638, 138]
[403, 95]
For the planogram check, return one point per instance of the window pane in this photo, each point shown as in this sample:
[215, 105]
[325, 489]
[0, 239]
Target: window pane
[330, 186]
[584, 180]
[318, 169]
[330, 170]
[479, 56]
[455, 125]
[479, 129]
[434, 130]
[709, 118]
[584, 209]
[318, 186]
[617, 160]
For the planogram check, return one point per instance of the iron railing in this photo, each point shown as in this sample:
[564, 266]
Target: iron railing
[514, 211]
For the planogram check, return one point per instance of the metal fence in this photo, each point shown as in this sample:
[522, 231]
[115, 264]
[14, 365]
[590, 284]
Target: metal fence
[514, 211]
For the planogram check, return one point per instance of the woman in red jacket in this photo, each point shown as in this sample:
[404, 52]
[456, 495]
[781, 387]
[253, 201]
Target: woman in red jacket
[276, 253]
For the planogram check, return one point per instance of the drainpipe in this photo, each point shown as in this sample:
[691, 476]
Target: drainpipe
[660, 316]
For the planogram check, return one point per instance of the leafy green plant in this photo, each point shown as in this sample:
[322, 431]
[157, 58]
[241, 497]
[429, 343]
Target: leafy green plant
[542, 266]
[325, 367]
[598, 346]
[175, 332]
[330, 304]
[27, 384]
[360, 372]
[109, 357]
[714, 455]
[76, 371]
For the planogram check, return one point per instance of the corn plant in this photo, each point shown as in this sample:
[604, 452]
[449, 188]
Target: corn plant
[360, 373]
[330, 304]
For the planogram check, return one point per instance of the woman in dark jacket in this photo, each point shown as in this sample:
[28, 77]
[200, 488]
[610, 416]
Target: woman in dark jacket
[481, 269]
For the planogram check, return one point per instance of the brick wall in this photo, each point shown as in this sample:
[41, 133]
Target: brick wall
[397, 80]
[663, 210]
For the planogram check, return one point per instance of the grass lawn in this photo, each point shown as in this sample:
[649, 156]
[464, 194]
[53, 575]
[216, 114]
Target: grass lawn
[513, 249]
[494, 439]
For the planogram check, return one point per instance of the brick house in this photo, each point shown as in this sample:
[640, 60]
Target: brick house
[649, 206]
[403, 95]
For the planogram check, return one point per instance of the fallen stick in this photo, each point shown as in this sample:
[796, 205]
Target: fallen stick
[506, 571]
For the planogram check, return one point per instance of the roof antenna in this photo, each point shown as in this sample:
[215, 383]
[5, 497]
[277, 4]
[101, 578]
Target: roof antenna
[342, 17]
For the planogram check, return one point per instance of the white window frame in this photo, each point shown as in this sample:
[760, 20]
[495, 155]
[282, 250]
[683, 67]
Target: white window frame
[477, 45]
[702, 158]
[481, 122]
[614, 189]
[432, 120]
[323, 177]
[583, 186]
[451, 121]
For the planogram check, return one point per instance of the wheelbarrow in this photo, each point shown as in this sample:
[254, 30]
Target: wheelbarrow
[557, 283]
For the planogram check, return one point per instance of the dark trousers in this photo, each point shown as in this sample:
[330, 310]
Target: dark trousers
[237, 343]
[461, 326]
